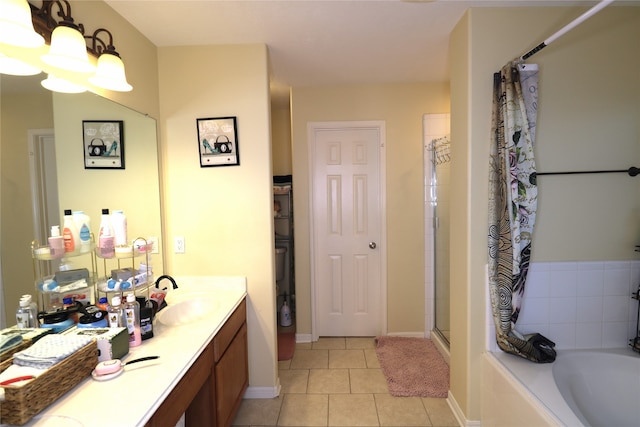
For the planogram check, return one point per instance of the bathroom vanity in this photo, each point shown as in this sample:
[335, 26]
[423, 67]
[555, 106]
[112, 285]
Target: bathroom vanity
[202, 371]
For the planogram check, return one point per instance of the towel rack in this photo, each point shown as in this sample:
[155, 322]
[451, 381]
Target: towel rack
[632, 171]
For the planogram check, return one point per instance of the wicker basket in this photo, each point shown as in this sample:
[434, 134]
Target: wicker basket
[23, 402]
[6, 358]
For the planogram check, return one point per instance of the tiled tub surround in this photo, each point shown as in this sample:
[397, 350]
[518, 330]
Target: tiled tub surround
[579, 306]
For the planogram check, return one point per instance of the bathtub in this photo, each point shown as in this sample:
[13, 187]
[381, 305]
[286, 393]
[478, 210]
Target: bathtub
[581, 388]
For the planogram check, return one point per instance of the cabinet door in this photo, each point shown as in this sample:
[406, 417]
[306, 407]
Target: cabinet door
[192, 385]
[232, 378]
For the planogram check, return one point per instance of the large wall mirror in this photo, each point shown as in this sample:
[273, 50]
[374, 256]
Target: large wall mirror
[43, 172]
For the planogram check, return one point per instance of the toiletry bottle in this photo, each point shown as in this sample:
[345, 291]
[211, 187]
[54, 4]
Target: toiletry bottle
[54, 302]
[70, 234]
[106, 246]
[56, 243]
[132, 317]
[146, 322]
[24, 318]
[83, 225]
[115, 313]
[285, 315]
[33, 307]
[65, 264]
[119, 224]
[103, 304]
[67, 302]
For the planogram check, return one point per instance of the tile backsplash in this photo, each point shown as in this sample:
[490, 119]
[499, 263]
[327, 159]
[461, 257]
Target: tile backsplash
[578, 304]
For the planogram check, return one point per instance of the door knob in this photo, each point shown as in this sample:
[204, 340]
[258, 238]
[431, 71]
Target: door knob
[372, 245]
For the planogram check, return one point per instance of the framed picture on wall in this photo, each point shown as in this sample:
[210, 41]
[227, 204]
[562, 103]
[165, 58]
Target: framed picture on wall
[218, 142]
[103, 144]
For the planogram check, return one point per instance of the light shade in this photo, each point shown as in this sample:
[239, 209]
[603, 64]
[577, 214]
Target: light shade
[110, 74]
[16, 27]
[56, 84]
[15, 67]
[68, 50]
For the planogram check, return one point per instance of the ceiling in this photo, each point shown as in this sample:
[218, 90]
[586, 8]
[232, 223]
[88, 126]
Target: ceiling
[320, 42]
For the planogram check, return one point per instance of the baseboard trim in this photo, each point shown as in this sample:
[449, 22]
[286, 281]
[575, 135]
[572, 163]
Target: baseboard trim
[442, 347]
[457, 412]
[303, 338]
[407, 334]
[262, 392]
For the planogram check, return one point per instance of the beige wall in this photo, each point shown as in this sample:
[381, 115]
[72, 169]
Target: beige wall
[224, 213]
[402, 107]
[588, 120]
[281, 140]
[17, 116]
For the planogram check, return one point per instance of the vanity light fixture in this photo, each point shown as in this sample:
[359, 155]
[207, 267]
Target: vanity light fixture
[15, 67]
[16, 27]
[68, 50]
[110, 71]
[23, 26]
[57, 84]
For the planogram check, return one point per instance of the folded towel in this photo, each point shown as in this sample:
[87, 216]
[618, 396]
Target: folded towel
[15, 371]
[50, 350]
[10, 340]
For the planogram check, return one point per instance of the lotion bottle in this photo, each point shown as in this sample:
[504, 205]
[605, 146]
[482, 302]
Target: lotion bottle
[56, 243]
[70, 234]
[119, 224]
[83, 225]
[105, 237]
[132, 318]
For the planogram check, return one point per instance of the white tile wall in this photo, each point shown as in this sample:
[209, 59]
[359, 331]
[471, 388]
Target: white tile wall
[578, 304]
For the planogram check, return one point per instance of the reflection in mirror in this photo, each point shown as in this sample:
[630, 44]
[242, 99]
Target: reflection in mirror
[28, 115]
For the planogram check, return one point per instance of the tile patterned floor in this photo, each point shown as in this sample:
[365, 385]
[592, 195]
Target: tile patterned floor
[337, 382]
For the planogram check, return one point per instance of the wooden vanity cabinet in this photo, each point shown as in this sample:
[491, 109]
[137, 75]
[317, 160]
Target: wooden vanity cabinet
[211, 391]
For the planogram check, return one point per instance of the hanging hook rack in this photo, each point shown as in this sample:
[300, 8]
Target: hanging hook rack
[632, 171]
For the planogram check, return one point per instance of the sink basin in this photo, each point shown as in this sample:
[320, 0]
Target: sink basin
[187, 311]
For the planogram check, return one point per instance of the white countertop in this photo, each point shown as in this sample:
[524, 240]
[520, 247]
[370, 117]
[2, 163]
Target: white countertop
[133, 397]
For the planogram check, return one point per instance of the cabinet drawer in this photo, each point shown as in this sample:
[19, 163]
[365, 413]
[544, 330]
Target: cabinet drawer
[229, 330]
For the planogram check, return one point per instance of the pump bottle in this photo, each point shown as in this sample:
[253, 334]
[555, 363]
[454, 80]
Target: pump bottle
[132, 318]
[24, 317]
[56, 243]
[115, 313]
[33, 307]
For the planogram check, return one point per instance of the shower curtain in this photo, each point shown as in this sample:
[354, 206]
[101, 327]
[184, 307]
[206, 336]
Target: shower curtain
[512, 206]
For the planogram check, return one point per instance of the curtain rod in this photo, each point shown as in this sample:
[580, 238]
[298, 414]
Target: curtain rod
[579, 20]
[632, 171]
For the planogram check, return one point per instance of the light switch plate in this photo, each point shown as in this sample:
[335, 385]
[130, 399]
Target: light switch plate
[154, 240]
[178, 244]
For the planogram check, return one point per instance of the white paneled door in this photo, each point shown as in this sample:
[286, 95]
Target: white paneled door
[347, 238]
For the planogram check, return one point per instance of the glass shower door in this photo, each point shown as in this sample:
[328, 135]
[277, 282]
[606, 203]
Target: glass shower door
[441, 161]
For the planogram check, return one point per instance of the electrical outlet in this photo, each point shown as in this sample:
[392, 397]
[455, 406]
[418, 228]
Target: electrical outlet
[178, 244]
[154, 240]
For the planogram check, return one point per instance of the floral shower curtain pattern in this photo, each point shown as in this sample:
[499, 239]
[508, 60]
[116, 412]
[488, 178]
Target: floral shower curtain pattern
[512, 206]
